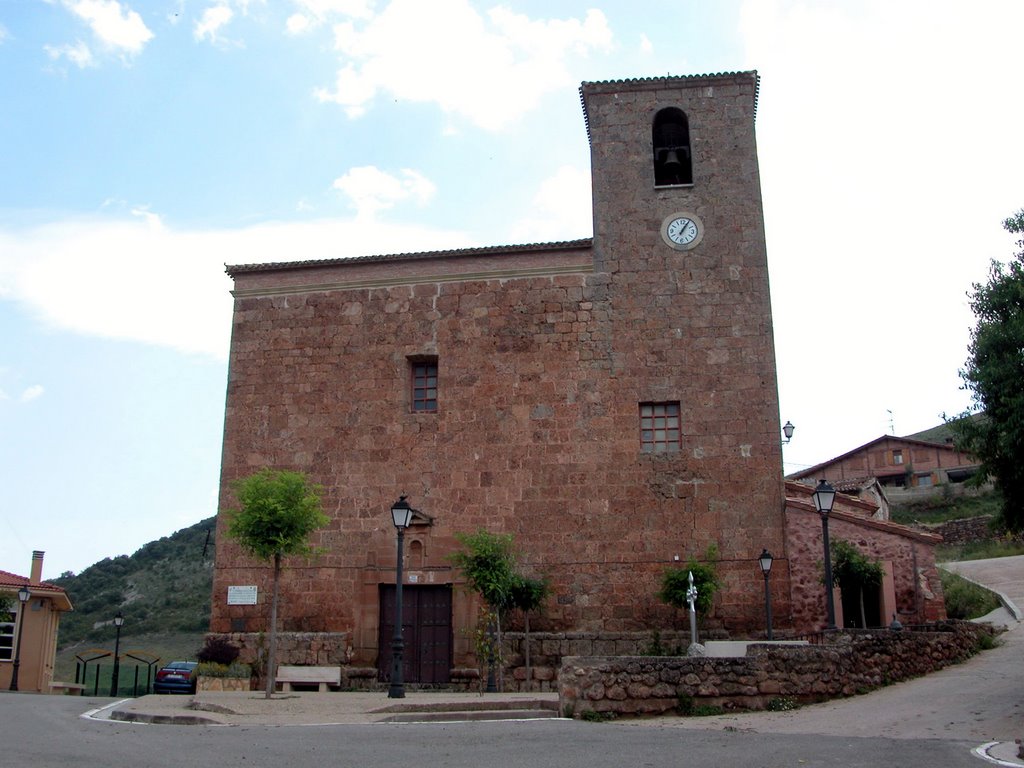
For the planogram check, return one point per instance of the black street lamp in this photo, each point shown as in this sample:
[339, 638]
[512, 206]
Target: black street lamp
[23, 595]
[118, 622]
[765, 561]
[824, 497]
[401, 515]
[788, 429]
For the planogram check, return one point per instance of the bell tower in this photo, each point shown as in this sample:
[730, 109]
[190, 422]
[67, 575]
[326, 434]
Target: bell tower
[679, 241]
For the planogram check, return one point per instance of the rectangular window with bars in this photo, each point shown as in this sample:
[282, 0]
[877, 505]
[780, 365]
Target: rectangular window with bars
[6, 636]
[659, 427]
[424, 386]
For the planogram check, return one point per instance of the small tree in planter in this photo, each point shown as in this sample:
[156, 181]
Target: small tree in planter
[488, 563]
[218, 659]
[278, 510]
[676, 581]
[528, 595]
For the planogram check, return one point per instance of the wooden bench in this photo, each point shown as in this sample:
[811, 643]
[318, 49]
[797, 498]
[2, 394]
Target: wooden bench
[306, 677]
[70, 689]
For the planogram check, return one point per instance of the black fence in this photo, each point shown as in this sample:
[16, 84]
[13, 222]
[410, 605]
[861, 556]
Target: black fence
[135, 672]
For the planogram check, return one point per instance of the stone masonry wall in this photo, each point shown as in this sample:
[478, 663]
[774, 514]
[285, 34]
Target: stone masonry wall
[966, 530]
[917, 584]
[856, 663]
[544, 356]
[548, 649]
[321, 649]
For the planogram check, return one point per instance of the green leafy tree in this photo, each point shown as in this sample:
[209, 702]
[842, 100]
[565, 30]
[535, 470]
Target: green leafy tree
[528, 595]
[487, 562]
[854, 571]
[277, 512]
[675, 583]
[994, 375]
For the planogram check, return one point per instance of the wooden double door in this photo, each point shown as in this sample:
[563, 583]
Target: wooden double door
[426, 630]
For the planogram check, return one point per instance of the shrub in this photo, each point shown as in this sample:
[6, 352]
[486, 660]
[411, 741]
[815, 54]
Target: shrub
[782, 704]
[965, 599]
[218, 650]
[213, 669]
[591, 716]
[675, 583]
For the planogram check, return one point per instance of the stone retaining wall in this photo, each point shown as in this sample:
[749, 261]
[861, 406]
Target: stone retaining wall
[547, 649]
[205, 683]
[301, 648]
[853, 663]
[966, 530]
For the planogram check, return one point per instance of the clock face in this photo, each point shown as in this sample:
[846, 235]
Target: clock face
[682, 231]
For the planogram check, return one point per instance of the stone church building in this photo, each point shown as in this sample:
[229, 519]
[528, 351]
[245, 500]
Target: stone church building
[610, 402]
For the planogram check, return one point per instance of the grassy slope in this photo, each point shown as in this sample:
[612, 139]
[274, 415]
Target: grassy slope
[163, 591]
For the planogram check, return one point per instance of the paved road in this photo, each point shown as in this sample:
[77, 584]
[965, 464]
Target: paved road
[46, 732]
[980, 700]
[924, 723]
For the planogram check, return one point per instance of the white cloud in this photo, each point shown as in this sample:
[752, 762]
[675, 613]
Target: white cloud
[78, 54]
[138, 279]
[32, 393]
[313, 13]
[372, 190]
[561, 209]
[646, 46]
[211, 22]
[4, 34]
[487, 69]
[298, 23]
[117, 27]
[4, 395]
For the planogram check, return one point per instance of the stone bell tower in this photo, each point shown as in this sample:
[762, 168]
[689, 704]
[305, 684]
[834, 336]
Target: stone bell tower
[679, 233]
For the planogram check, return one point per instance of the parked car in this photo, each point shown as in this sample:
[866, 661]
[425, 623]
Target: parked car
[176, 677]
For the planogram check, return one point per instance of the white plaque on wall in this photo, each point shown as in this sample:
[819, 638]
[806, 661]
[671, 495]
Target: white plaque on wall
[242, 595]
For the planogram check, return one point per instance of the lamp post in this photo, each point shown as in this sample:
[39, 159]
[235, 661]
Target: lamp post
[23, 595]
[401, 515]
[824, 497]
[118, 622]
[765, 561]
[788, 429]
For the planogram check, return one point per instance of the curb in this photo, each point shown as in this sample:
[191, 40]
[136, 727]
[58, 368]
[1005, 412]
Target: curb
[1007, 603]
[141, 717]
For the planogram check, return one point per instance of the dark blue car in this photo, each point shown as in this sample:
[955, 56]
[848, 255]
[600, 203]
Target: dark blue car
[176, 677]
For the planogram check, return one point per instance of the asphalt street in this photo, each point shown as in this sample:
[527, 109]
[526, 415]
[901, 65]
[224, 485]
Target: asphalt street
[938, 720]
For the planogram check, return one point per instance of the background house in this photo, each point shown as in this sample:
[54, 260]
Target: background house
[37, 622]
[903, 466]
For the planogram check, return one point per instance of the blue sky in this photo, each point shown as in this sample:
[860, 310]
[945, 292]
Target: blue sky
[143, 145]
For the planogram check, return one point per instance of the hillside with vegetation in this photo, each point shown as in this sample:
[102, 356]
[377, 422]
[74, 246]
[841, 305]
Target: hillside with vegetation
[163, 588]
[941, 508]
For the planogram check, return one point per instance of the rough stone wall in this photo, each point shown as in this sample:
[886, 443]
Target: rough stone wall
[320, 649]
[916, 580]
[540, 381]
[854, 664]
[966, 530]
[548, 649]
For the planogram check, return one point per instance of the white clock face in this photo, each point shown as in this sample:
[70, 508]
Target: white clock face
[682, 230]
